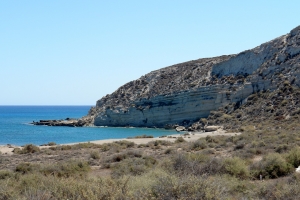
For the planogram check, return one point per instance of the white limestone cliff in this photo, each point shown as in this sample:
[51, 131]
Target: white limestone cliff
[184, 93]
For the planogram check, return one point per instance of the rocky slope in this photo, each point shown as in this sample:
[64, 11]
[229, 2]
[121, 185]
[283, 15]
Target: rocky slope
[182, 94]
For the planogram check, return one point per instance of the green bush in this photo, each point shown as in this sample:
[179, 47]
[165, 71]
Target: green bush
[293, 157]
[236, 167]
[273, 165]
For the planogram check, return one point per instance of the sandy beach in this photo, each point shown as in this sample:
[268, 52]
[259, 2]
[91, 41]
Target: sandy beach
[7, 149]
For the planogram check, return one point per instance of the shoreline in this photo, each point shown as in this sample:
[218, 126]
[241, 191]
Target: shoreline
[7, 149]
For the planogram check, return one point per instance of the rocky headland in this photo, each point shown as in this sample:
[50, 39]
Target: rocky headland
[183, 94]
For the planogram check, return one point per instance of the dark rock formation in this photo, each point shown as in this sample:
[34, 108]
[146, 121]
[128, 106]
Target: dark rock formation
[66, 122]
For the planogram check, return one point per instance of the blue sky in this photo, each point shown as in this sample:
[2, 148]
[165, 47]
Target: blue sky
[75, 52]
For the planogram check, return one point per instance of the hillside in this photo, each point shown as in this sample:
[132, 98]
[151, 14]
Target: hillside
[184, 93]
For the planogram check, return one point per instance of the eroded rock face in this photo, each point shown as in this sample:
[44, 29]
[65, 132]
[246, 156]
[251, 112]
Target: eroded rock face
[184, 93]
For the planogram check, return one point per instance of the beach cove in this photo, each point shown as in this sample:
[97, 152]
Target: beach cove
[190, 137]
[15, 128]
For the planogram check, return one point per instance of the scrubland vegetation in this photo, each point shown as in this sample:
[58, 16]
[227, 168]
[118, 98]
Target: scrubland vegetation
[210, 168]
[219, 167]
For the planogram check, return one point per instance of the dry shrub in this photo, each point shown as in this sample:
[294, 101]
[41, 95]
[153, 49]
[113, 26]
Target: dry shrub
[169, 151]
[29, 148]
[95, 155]
[281, 189]
[66, 169]
[163, 143]
[118, 157]
[51, 143]
[4, 174]
[180, 140]
[134, 153]
[189, 163]
[198, 145]
[187, 187]
[132, 166]
[62, 147]
[26, 167]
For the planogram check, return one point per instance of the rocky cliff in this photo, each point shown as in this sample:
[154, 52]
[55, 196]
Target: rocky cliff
[182, 94]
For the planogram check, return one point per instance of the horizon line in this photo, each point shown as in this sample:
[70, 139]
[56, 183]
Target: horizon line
[47, 105]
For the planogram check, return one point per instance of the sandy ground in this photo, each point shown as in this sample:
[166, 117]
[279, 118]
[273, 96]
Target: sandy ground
[7, 149]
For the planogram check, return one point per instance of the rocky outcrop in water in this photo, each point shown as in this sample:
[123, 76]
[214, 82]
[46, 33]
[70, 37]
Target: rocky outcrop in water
[64, 122]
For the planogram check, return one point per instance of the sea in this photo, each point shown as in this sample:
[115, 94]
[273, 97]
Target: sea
[15, 127]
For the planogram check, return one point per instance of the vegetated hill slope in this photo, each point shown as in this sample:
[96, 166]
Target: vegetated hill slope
[182, 94]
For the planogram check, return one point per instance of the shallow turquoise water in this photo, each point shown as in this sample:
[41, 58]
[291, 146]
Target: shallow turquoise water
[15, 128]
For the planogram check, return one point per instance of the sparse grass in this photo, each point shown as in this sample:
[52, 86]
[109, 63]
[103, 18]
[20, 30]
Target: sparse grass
[125, 144]
[158, 143]
[49, 144]
[141, 136]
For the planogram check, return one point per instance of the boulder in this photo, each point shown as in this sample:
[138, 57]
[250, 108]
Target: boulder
[211, 128]
[180, 128]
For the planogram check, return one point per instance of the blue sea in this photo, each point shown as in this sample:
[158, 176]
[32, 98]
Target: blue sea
[15, 126]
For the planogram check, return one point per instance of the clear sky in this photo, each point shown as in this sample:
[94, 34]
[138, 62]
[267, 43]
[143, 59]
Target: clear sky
[69, 52]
